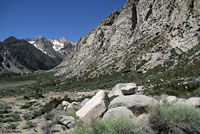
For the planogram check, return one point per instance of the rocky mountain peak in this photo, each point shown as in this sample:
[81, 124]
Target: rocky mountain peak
[10, 39]
[110, 19]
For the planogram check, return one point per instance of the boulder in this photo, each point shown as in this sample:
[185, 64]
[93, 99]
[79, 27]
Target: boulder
[60, 107]
[123, 89]
[118, 112]
[194, 101]
[137, 103]
[72, 106]
[171, 99]
[94, 108]
[84, 101]
[65, 103]
[181, 101]
[67, 121]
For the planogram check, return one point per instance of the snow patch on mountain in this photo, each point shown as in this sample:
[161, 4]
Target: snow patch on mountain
[34, 43]
[57, 46]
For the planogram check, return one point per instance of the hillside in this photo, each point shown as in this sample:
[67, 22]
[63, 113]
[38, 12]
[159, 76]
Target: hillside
[142, 36]
[149, 42]
[19, 56]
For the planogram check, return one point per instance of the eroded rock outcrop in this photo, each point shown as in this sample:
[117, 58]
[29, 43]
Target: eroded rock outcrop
[142, 36]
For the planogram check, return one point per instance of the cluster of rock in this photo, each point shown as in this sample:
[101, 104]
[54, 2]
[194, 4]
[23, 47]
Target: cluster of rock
[67, 106]
[117, 103]
[124, 100]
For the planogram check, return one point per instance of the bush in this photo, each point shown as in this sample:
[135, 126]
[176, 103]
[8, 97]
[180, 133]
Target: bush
[45, 109]
[28, 125]
[4, 111]
[12, 126]
[176, 113]
[25, 106]
[111, 126]
[28, 116]
[49, 116]
[12, 117]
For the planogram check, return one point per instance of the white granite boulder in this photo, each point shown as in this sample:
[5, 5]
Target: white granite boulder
[94, 108]
[123, 89]
[139, 103]
[194, 101]
[118, 112]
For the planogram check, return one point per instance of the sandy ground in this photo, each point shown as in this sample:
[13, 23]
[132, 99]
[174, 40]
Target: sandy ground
[16, 84]
[17, 102]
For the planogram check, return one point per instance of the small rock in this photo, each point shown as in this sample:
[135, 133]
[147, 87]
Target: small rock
[140, 89]
[123, 89]
[70, 107]
[75, 103]
[33, 101]
[57, 129]
[67, 121]
[171, 99]
[118, 112]
[60, 107]
[65, 103]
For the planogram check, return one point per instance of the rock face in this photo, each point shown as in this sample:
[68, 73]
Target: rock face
[136, 103]
[94, 108]
[142, 36]
[19, 56]
[118, 112]
[123, 89]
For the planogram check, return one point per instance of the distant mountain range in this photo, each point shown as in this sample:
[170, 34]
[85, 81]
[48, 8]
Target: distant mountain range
[28, 55]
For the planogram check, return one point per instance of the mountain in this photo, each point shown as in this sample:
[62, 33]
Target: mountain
[141, 37]
[56, 48]
[20, 56]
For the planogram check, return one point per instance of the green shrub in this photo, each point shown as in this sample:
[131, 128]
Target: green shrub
[28, 125]
[49, 116]
[12, 126]
[45, 109]
[28, 116]
[12, 117]
[4, 111]
[25, 106]
[111, 126]
[177, 113]
[4, 106]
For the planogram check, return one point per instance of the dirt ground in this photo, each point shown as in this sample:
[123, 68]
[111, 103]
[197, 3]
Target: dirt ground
[17, 102]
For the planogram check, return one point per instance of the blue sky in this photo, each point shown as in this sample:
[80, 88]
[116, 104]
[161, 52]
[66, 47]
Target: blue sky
[53, 18]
